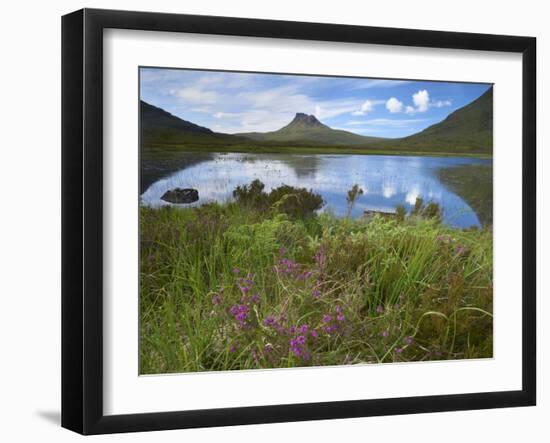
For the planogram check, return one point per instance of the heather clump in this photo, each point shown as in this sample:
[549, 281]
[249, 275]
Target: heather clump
[261, 282]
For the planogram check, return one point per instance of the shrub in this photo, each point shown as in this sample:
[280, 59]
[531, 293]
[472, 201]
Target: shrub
[252, 195]
[430, 211]
[297, 203]
[400, 213]
[353, 195]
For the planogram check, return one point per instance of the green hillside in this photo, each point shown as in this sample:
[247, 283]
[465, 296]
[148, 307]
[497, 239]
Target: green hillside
[306, 128]
[468, 129]
[161, 127]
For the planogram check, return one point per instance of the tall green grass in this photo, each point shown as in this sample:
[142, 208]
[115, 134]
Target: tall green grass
[231, 286]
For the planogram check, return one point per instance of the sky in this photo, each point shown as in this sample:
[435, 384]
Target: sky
[233, 102]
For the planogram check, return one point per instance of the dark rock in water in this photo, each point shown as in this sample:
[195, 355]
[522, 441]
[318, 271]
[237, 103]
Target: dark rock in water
[180, 196]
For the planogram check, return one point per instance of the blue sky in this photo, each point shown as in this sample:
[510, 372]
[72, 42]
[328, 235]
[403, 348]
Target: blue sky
[233, 102]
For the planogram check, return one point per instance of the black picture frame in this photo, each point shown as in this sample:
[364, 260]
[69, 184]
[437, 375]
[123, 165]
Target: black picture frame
[82, 218]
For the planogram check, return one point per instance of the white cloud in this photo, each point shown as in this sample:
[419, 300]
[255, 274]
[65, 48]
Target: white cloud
[367, 106]
[195, 95]
[256, 120]
[422, 103]
[277, 99]
[369, 130]
[224, 81]
[388, 190]
[384, 126]
[421, 100]
[203, 109]
[441, 103]
[318, 111]
[227, 114]
[334, 108]
[355, 122]
[388, 122]
[367, 84]
[393, 105]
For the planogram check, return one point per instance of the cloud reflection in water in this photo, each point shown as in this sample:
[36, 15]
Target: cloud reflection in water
[389, 181]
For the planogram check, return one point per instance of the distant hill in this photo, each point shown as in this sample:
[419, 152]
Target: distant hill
[468, 129]
[306, 128]
[161, 127]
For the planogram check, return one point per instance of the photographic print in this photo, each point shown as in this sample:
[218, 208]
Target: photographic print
[300, 220]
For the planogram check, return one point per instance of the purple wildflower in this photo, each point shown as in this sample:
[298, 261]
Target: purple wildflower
[255, 298]
[315, 293]
[399, 350]
[232, 348]
[385, 333]
[304, 329]
[236, 270]
[380, 309]
[340, 317]
[297, 345]
[327, 318]
[216, 299]
[320, 258]
[282, 251]
[314, 333]
[268, 349]
[240, 312]
[288, 266]
[270, 321]
[408, 340]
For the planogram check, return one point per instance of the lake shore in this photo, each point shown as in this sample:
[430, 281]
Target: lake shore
[163, 150]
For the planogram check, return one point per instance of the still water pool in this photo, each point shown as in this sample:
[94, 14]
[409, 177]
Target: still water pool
[387, 181]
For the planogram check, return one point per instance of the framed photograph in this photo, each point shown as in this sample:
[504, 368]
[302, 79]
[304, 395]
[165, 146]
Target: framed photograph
[269, 221]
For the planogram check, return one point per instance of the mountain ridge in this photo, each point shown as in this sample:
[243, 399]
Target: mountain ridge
[307, 128]
[467, 130]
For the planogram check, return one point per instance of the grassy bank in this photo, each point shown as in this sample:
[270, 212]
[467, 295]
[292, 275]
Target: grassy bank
[239, 286]
[168, 150]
